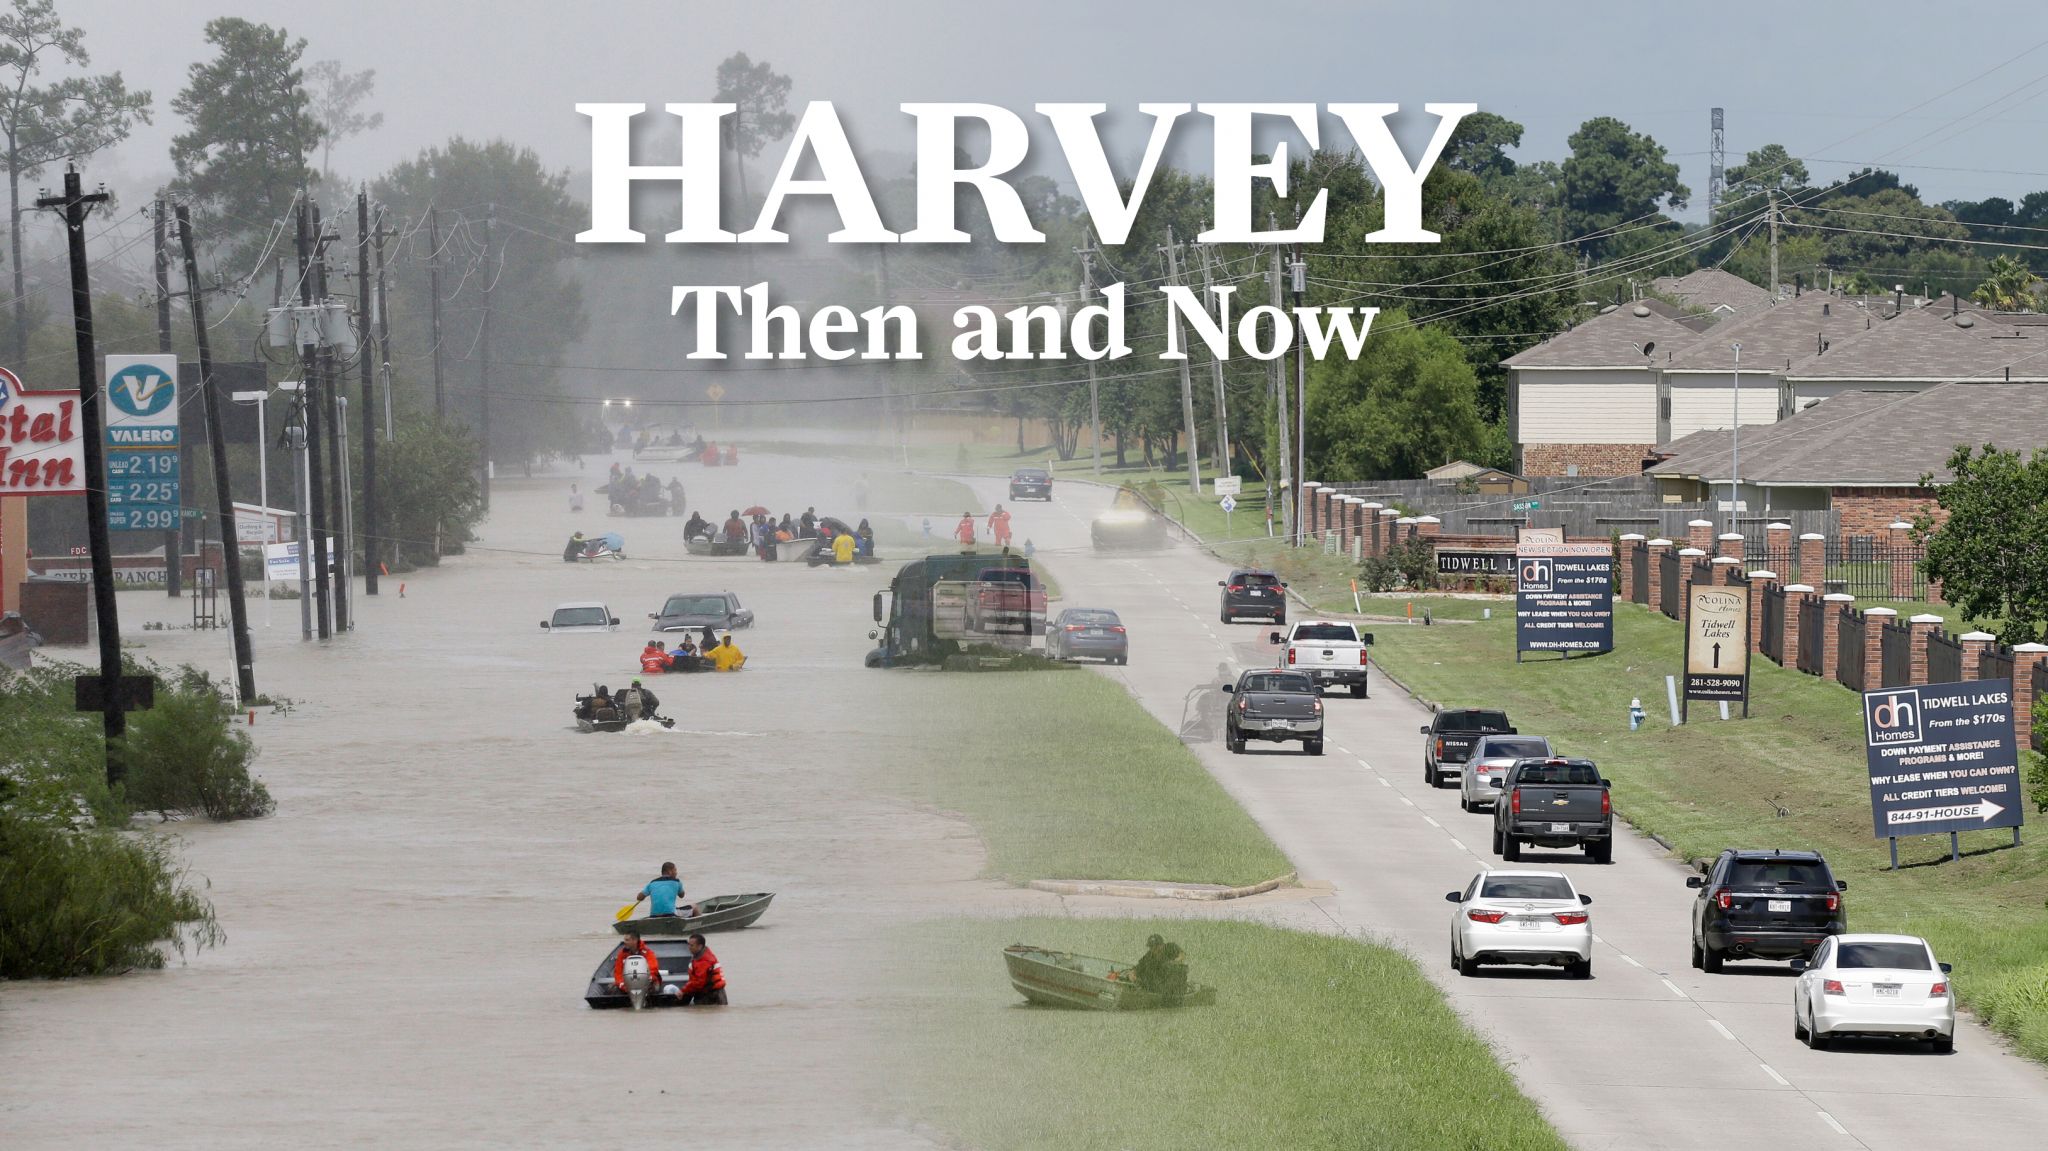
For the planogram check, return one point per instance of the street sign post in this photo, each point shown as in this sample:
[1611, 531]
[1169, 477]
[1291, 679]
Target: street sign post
[1942, 757]
[1564, 598]
[1229, 504]
[1716, 645]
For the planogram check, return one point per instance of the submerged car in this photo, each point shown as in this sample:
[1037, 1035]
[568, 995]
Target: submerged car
[1031, 484]
[1527, 918]
[688, 611]
[586, 616]
[1088, 633]
[1874, 985]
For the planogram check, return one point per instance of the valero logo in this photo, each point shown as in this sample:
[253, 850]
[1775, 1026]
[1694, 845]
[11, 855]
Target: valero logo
[1892, 717]
[141, 390]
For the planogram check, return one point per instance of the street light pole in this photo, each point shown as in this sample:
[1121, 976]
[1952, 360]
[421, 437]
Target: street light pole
[262, 485]
[1735, 445]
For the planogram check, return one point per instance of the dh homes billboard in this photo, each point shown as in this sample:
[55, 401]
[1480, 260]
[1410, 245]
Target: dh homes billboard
[1564, 597]
[1943, 757]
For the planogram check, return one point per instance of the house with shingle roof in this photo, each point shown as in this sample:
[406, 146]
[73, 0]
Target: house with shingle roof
[1700, 385]
[1918, 350]
[1585, 400]
[1714, 290]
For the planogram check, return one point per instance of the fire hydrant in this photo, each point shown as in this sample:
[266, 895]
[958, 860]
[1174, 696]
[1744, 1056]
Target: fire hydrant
[1636, 715]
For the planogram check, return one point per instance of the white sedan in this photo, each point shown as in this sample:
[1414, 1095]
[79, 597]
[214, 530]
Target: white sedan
[1530, 918]
[1884, 985]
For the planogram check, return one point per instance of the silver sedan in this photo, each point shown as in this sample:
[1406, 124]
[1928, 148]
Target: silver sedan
[1479, 782]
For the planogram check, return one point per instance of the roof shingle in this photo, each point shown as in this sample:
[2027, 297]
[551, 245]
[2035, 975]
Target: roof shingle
[1609, 340]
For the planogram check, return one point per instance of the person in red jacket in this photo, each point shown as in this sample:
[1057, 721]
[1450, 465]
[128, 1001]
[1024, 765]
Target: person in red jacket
[654, 659]
[706, 985]
[965, 531]
[633, 946]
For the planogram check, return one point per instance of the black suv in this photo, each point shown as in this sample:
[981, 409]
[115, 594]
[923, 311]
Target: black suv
[1764, 905]
[1253, 595]
[1031, 484]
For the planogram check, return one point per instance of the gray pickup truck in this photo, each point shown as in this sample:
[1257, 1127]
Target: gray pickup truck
[1273, 705]
[1554, 802]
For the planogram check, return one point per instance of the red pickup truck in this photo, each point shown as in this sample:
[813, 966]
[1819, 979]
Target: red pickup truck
[1007, 602]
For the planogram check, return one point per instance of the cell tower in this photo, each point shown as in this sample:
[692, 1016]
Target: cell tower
[1716, 181]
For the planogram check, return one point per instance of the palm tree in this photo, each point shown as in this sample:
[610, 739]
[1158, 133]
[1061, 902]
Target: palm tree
[2010, 288]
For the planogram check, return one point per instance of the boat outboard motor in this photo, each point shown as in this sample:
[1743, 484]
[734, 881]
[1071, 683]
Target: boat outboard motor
[639, 980]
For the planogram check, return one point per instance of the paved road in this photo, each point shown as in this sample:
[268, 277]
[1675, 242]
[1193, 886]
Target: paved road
[1648, 1054]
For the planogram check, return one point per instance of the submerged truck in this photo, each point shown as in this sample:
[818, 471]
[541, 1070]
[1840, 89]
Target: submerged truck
[941, 605]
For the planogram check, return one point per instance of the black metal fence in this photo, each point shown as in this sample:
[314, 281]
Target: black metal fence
[1811, 614]
[1772, 641]
[1849, 648]
[1867, 569]
[1667, 589]
[1896, 643]
[1995, 662]
[1639, 564]
[1944, 658]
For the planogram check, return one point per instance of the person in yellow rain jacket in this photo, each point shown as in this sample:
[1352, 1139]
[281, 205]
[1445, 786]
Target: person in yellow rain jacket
[726, 657]
[842, 548]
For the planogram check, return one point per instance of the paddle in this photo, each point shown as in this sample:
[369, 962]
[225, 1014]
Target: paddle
[625, 913]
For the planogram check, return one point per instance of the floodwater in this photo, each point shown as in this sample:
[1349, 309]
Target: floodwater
[410, 934]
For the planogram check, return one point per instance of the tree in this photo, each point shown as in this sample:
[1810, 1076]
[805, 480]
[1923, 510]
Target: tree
[335, 96]
[1614, 177]
[761, 97]
[1991, 552]
[2010, 287]
[1479, 145]
[1768, 169]
[69, 119]
[1410, 403]
[252, 126]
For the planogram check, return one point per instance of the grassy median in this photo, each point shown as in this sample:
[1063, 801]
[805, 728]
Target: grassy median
[1315, 1042]
[1066, 777]
[1792, 776]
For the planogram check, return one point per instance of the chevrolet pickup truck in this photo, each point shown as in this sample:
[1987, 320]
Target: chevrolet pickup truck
[1554, 802]
[1273, 705]
[1329, 652]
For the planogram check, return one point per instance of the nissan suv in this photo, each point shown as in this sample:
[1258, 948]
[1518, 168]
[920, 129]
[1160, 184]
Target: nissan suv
[1764, 905]
[1253, 595]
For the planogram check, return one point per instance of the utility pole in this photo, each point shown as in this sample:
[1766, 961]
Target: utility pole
[309, 404]
[434, 302]
[1187, 387]
[1298, 270]
[377, 235]
[1773, 200]
[1286, 452]
[1216, 367]
[369, 375]
[1094, 390]
[336, 577]
[174, 536]
[114, 720]
[484, 351]
[216, 442]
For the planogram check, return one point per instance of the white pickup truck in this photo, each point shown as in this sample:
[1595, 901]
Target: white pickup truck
[1332, 651]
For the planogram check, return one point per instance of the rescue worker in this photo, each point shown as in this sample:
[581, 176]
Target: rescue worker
[726, 657]
[574, 550]
[965, 531]
[1173, 978]
[634, 946]
[843, 546]
[654, 660]
[602, 706]
[999, 526]
[1148, 971]
[662, 892]
[706, 985]
[638, 703]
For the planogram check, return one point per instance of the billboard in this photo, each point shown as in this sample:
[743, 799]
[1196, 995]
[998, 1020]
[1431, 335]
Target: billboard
[1564, 598]
[1717, 643]
[41, 453]
[1942, 757]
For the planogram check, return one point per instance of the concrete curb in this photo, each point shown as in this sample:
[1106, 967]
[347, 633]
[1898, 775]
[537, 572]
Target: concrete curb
[1139, 889]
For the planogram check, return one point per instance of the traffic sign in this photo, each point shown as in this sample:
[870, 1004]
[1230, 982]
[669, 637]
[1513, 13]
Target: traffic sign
[1229, 485]
[1229, 504]
[715, 392]
[1527, 505]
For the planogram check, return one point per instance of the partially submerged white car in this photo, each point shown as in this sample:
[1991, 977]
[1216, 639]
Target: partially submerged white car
[585, 616]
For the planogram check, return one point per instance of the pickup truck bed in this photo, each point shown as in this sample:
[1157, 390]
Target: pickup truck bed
[1331, 653]
[1554, 803]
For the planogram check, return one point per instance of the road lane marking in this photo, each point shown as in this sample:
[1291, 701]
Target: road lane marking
[1723, 1029]
[1406, 800]
[1830, 1121]
[1460, 846]
[1346, 751]
[1629, 959]
[1431, 822]
[1675, 990]
[1384, 783]
[1773, 1073]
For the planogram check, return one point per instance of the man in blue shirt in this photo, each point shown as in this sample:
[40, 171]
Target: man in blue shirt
[662, 892]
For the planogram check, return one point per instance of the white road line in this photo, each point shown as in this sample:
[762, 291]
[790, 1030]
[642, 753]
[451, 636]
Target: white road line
[1722, 1028]
[1629, 959]
[1675, 990]
[1431, 822]
[1460, 846]
[1383, 780]
[1346, 751]
[1830, 1121]
[1773, 1073]
[1408, 801]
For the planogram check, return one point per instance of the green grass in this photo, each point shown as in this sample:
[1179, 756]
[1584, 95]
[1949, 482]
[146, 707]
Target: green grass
[1067, 777]
[1315, 1042]
[1793, 776]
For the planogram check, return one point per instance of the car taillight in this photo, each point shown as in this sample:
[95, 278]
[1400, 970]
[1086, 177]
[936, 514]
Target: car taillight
[1318, 705]
[1236, 587]
[1118, 629]
[1725, 900]
[1834, 902]
[1515, 801]
[1243, 705]
[1478, 916]
[1078, 627]
[1606, 804]
[1361, 657]
[1832, 987]
[1937, 989]
[1290, 655]
[1439, 749]
[1570, 918]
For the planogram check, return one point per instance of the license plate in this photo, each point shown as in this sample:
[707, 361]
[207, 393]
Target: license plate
[1782, 905]
[1560, 829]
[1529, 924]
[1283, 724]
[1097, 632]
[1258, 593]
[1887, 990]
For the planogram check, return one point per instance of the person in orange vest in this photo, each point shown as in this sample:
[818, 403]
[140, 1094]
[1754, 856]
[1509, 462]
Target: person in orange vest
[706, 985]
[654, 660]
[965, 532]
[999, 526]
[634, 946]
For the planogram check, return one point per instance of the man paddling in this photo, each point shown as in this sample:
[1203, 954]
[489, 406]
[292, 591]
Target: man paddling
[661, 893]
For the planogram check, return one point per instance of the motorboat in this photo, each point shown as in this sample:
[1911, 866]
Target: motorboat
[1064, 979]
[674, 957]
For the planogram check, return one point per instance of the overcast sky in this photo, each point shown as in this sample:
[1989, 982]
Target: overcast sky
[1829, 84]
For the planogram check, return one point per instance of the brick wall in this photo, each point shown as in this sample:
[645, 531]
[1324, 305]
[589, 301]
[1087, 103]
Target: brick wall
[1592, 459]
[1869, 511]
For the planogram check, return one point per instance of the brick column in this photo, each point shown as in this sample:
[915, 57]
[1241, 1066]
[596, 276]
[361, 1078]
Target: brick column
[1659, 548]
[1759, 586]
[1428, 527]
[1731, 544]
[1778, 545]
[1923, 627]
[1369, 524]
[1727, 570]
[1831, 631]
[1874, 622]
[1325, 503]
[2024, 657]
[1686, 558]
[1975, 644]
[1796, 596]
[1813, 560]
[1898, 537]
[1700, 534]
[1404, 530]
[1389, 517]
[1307, 526]
[1626, 561]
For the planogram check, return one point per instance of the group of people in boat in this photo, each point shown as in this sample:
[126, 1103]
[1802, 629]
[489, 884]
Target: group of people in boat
[704, 984]
[716, 653]
[1161, 970]
[632, 495]
[632, 704]
[762, 532]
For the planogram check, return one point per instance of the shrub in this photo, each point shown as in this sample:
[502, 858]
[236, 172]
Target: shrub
[186, 754]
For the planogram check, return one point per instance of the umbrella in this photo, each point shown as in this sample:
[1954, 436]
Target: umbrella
[756, 510]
